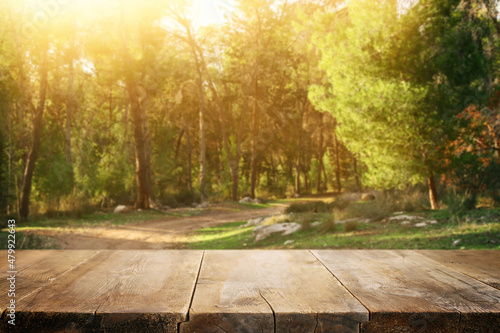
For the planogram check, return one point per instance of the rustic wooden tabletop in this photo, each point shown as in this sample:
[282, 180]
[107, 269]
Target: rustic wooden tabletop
[252, 291]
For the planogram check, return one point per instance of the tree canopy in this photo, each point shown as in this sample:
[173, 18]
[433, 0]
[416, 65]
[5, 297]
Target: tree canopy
[108, 102]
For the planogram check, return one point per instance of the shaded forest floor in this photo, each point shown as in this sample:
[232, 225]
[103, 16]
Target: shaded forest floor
[222, 226]
[131, 231]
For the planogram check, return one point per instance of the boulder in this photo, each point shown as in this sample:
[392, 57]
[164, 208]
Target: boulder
[405, 217]
[246, 200]
[262, 231]
[367, 197]
[203, 205]
[253, 222]
[421, 224]
[256, 201]
[121, 209]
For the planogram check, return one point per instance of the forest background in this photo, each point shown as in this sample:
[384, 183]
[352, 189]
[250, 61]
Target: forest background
[127, 102]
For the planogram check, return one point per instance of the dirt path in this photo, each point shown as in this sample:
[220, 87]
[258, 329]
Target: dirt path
[165, 233]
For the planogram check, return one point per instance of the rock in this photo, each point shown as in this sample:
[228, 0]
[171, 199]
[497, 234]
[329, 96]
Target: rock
[202, 205]
[421, 224]
[405, 217]
[256, 201]
[348, 220]
[457, 242]
[288, 242]
[121, 209]
[367, 197]
[432, 222]
[252, 222]
[139, 210]
[406, 223]
[262, 231]
[246, 200]
[316, 224]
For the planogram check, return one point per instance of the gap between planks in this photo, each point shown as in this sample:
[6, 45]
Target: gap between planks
[343, 285]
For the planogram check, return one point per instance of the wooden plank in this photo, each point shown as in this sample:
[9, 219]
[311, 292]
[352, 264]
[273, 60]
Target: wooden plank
[117, 291]
[270, 291]
[483, 265]
[408, 292]
[37, 268]
[154, 293]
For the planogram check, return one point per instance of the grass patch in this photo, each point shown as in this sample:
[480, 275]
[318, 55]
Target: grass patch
[26, 241]
[480, 231]
[91, 220]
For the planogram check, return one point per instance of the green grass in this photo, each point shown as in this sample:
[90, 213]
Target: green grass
[29, 241]
[477, 233]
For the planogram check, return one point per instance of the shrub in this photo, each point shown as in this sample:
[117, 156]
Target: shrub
[306, 222]
[341, 204]
[310, 207]
[351, 226]
[458, 204]
[329, 224]
[374, 210]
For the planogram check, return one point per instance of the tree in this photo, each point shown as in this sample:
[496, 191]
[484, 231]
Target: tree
[396, 82]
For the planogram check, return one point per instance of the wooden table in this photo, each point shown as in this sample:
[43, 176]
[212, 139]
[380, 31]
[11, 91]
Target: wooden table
[253, 291]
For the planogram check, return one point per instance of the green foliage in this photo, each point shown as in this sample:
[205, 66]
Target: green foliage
[401, 81]
[459, 203]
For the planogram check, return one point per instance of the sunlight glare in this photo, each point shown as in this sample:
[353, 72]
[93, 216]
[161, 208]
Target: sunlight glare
[211, 12]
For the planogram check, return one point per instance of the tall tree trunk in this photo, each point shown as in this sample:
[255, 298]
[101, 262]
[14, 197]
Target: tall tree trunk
[337, 163]
[356, 175]
[325, 183]
[141, 172]
[189, 164]
[433, 197]
[203, 150]
[70, 108]
[320, 156]
[147, 149]
[297, 176]
[37, 128]
[306, 181]
[255, 118]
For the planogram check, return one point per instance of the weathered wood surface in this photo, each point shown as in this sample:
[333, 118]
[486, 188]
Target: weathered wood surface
[37, 268]
[254, 291]
[408, 292]
[116, 291]
[483, 265]
[270, 291]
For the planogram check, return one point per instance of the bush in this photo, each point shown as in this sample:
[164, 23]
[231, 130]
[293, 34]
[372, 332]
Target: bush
[374, 210]
[351, 226]
[458, 204]
[310, 207]
[341, 204]
[306, 222]
[329, 224]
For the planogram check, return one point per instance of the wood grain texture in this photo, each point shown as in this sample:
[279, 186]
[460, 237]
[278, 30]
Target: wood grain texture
[408, 292]
[37, 268]
[270, 291]
[118, 291]
[483, 265]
